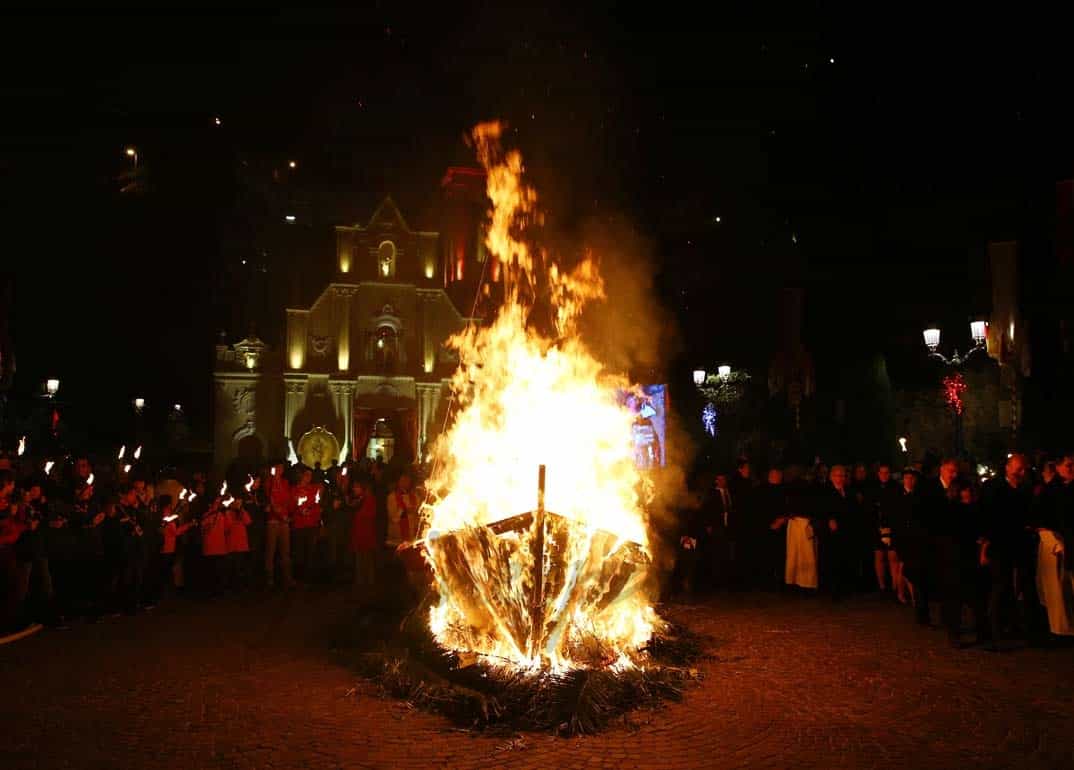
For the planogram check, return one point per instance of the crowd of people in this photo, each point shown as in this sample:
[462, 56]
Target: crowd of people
[79, 542]
[990, 544]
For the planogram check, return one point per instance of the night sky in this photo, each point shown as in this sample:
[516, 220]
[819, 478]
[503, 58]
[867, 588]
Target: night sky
[867, 159]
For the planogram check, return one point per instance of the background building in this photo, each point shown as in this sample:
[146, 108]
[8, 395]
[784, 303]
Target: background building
[364, 369]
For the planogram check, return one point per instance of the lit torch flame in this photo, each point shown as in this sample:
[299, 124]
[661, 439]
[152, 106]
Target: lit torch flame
[122, 452]
[138, 453]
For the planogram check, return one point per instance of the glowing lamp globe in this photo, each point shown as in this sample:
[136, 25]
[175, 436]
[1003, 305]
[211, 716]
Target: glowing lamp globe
[52, 387]
[139, 404]
[699, 377]
[724, 371]
[932, 338]
[977, 331]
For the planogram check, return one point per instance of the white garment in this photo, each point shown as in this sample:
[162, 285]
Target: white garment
[1055, 583]
[801, 565]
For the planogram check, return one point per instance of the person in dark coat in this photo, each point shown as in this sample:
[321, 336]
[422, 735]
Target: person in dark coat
[880, 499]
[741, 531]
[1005, 509]
[839, 519]
[773, 510]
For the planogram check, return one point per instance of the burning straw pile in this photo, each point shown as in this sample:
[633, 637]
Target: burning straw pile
[477, 695]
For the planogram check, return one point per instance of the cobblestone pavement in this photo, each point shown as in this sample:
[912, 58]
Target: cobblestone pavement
[252, 682]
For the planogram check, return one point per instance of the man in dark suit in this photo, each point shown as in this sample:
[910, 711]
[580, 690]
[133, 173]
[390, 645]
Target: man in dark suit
[839, 519]
[1005, 508]
[941, 561]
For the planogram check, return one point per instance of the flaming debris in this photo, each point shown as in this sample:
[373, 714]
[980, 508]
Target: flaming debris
[556, 583]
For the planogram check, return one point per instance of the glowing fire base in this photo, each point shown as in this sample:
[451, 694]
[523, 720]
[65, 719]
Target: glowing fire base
[537, 610]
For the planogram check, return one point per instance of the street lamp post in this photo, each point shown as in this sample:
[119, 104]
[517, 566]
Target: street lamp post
[932, 335]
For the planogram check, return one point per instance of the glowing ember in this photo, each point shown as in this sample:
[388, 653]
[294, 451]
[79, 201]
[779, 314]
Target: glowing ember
[516, 585]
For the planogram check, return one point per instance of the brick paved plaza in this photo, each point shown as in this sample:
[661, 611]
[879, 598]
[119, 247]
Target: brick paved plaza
[254, 682]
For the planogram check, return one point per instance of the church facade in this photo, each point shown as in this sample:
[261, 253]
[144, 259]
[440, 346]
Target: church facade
[364, 371]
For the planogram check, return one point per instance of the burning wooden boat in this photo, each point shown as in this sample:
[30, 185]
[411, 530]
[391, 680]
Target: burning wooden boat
[535, 586]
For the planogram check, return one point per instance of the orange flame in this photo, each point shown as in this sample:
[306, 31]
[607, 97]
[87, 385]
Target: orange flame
[526, 400]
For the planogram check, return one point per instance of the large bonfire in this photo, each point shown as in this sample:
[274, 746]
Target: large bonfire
[552, 580]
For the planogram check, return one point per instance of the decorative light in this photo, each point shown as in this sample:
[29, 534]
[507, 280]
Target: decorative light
[138, 453]
[249, 484]
[177, 407]
[48, 467]
[708, 418]
[217, 121]
[22, 446]
[89, 480]
[954, 386]
[699, 377]
[52, 387]
[291, 164]
[122, 452]
[182, 493]
[902, 443]
[289, 217]
[251, 360]
[723, 371]
[139, 404]
[132, 153]
[223, 488]
[978, 330]
[127, 468]
[228, 501]
[932, 338]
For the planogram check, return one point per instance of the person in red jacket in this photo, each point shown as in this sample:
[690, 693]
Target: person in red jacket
[214, 524]
[238, 544]
[306, 523]
[363, 542]
[278, 527]
[170, 531]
